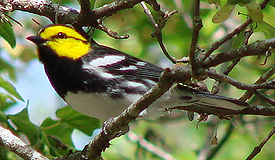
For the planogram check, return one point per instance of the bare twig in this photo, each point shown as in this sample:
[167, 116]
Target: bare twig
[224, 113]
[197, 24]
[215, 150]
[86, 15]
[149, 146]
[163, 17]
[203, 152]
[149, 14]
[239, 85]
[261, 145]
[111, 33]
[163, 48]
[217, 44]
[262, 79]
[16, 145]
[236, 31]
[215, 88]
[256, 49]
[44, 8]
[264, 97]
[68, 15]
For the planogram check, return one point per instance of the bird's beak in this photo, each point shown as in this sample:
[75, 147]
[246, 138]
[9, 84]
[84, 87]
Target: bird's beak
[36, 39]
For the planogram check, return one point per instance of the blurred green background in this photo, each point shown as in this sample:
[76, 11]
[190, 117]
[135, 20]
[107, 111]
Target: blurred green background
[174, 134]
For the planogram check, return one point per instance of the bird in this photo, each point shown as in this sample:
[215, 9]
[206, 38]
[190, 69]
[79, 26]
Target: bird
[102, 82]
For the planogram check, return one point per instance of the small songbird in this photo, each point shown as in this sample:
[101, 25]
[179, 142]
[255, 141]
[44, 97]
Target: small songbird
[101, 82]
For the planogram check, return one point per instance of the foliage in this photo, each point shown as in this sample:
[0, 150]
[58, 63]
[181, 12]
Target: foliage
[176, 135]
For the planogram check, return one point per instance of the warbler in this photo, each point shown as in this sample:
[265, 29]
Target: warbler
[101, 82]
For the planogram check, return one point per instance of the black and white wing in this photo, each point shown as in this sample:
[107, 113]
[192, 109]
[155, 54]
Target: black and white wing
[122, 71]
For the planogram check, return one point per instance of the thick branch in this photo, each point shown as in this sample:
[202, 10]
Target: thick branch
[66, 15]
[44, 8]
[114, 126]
[16, 145]
[197, 24]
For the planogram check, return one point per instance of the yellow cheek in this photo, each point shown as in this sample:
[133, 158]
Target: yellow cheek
[69, 48]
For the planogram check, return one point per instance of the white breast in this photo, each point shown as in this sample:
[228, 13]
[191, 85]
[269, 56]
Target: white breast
[100, 106]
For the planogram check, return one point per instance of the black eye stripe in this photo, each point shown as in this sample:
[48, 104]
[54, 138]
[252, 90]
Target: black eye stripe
[56, 37]
[59, 35]
[62, 35]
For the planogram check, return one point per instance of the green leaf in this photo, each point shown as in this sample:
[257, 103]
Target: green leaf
[6, 32]
[238, 40]
[233, 1]
[24, 125]
[6, 101]
[77, 120]
[3, 117]
[244, 1]
[254, 11]
[10, 89]
[56, 128]
[267, 29]
[223, 13]
[6, 67]
[272, 3]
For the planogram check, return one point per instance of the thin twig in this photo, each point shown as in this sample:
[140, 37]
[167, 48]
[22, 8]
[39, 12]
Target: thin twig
[215, 88]
[264, 97]
[157, 32]
[217, 44]
[149, 14]
[150, 147]
[114, 7]
[110, 32]
[239, 85]
[262, 79]
[203, 152]
[163, 17]
[258, 149]
[215, 150]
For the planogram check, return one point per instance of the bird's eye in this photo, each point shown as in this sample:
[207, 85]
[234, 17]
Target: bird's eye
[61, 35]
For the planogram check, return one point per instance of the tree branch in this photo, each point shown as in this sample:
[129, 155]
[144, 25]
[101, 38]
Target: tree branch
[163, 17]
[67, 15]
[114, 127]
[44, 8]
[262, 79]
[217, 44]
[255, 49]
[150, 147]
[239, 85]
[197, 25]
[16, 145]
[118, 126]
[261, 145]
